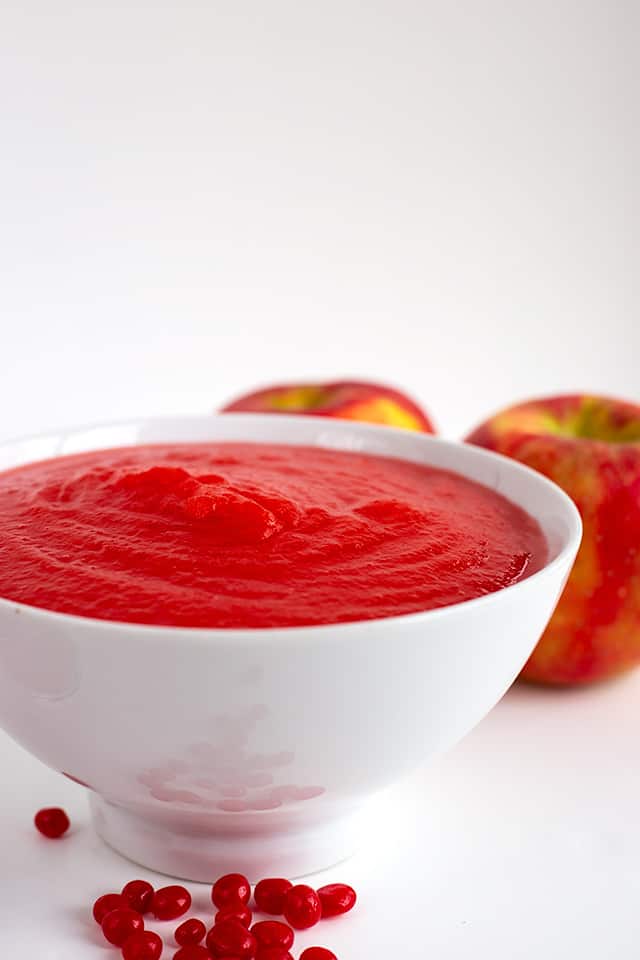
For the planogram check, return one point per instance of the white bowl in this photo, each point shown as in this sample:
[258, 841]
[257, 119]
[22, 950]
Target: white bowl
[257, 750]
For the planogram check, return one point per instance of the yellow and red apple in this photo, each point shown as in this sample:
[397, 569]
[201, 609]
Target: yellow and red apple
[345, 399]
[590, 446]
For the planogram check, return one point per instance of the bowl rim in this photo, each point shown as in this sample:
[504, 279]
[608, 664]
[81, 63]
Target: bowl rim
[297, 632]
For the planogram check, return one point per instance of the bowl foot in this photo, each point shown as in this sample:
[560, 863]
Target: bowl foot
[199, 853]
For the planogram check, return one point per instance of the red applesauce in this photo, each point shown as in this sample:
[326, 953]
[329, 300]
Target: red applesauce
[253, 535]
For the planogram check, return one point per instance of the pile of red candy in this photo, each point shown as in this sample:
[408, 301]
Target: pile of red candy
[232, 936]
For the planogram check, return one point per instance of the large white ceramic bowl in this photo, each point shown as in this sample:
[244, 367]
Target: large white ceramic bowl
[215, 750]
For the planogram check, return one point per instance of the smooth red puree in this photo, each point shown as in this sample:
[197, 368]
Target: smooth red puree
[253, 535]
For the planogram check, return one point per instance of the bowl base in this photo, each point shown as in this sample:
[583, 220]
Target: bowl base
[202, 856]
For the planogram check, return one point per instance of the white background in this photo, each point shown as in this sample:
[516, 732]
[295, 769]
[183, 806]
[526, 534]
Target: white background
[198, 198]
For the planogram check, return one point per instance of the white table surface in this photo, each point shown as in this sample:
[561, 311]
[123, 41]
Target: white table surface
[522, 843]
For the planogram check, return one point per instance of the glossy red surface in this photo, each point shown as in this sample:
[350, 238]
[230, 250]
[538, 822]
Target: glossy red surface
[252, 535]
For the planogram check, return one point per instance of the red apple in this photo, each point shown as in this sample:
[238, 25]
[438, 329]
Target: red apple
[590, 446]
[348, 400]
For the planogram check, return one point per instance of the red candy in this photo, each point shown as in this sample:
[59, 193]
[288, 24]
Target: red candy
[317, 953]
[170, 902]
[270, 895]
[138, 894]
[193, 952]
[239, 912]
[273, 953]
[120, 924]
[229, 890]
[272, 933]
[190, 932]
[52, 822]
[144, 945]
[302, 907]
[107, 903]
[336, 898]
[230, 939]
